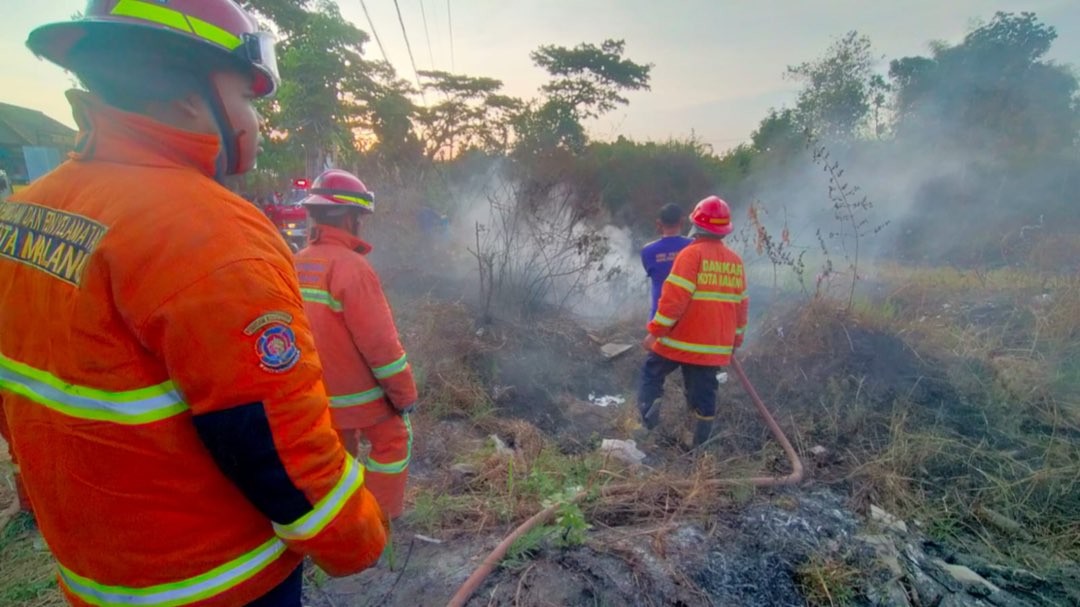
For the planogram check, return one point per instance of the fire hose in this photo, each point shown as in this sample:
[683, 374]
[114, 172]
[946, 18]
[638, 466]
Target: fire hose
[492, 560]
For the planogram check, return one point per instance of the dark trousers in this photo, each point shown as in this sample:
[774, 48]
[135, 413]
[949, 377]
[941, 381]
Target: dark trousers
[285, 594]
[700, 381]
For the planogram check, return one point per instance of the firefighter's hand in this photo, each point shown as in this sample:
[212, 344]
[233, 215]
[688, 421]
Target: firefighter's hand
[407, 410]
[738, 340]
[648, 342]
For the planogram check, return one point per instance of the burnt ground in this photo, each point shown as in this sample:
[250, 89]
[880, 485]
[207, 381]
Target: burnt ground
[829, 380]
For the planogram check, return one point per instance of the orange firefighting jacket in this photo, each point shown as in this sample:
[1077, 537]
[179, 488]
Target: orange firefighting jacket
[160, 380]
[703, 306]
[367, 372]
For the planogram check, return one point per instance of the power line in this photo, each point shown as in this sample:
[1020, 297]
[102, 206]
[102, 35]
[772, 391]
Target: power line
[427, 34]
[371, 25]
[409, 48]
[450, 22]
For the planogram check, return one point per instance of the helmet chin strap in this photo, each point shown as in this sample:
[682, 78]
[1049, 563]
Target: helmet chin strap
[228, 160]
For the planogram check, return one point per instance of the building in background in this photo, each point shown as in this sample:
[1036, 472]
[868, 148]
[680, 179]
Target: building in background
[31, 144]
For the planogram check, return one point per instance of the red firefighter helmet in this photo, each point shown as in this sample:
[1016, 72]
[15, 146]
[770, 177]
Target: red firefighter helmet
[220, 27]
[341, 189]
[712, 215]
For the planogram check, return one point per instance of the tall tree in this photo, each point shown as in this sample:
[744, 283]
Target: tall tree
[331, 95]
[839, 89]
[469, 114]
[993, 91]
[587, 81]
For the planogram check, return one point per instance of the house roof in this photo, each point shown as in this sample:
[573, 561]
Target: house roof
[21, 126]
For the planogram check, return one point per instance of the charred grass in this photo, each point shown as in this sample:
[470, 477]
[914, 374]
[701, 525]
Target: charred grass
[950, 400]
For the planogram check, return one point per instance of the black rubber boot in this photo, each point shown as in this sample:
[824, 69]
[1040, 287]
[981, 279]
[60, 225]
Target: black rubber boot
[702, 431]
[650, 414]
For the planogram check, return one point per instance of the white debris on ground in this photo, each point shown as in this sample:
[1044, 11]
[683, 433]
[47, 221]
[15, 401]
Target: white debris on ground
[615, 349]
[625, 450]
[606, 400]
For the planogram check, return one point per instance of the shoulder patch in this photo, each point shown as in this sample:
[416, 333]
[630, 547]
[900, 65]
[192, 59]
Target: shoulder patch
[277, 349]
[265, 319]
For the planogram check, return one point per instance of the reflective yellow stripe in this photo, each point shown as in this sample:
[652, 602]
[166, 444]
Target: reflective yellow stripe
[682, 282]
[360, 398]
[740, 331]
[662, 320]
[312, 523]
[160, 15]
[695, 348]
[714, 296]
[130, 407]
[392, 369]
[186, 592]
[399, 466]
[320, 296]
[360, 201]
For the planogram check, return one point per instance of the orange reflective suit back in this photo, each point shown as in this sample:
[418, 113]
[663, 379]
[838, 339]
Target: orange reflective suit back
[703, 309]
[367, 371]
[159, 380]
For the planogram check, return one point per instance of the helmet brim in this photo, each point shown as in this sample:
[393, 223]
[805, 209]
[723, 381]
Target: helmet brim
[56, 43]
[716, 230]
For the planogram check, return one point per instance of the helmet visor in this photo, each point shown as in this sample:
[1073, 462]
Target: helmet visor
[258, 51]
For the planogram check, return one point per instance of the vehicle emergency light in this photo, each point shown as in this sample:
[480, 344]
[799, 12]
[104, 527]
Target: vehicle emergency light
[301, 183]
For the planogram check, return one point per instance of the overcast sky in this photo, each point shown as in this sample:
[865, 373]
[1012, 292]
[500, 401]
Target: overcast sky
[718, 64]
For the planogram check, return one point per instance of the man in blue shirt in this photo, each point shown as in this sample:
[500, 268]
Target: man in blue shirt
[658, 256]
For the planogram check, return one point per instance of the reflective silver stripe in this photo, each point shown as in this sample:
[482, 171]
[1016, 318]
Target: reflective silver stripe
[360, 398]
[319, 296]
[312, 523]
[130, 407]
[682, 282]
[662, 320]
[695, 348]
[399, 466]
[192, 590]
[714, 296]
[391, 369]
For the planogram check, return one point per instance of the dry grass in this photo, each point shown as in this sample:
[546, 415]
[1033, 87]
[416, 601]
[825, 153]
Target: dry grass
[445, 350]
[27, 570]
[827, 582]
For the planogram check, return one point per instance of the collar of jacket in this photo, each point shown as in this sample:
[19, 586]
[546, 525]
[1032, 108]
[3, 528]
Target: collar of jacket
[112, 135]
[336, 236]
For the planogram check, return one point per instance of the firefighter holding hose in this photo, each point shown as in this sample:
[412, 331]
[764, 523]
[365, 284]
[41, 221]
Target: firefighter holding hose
[700, 320]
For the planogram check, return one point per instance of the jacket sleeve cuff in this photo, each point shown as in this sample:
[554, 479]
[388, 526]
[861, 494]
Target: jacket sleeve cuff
[657, 330]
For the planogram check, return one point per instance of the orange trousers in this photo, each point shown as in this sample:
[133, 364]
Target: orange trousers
[387, 462]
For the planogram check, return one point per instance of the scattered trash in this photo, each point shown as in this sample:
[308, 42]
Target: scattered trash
[818, 451]
[722, 377]
[465, 469]
[613, 349]
[424, 538]
[498, 392]
[967, 577]
[500, 446]
[625, 450]
[887, 519]
[606, 401]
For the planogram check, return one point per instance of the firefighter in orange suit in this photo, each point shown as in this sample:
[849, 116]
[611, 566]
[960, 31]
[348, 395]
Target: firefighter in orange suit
[700, 320]
[367, 372]
[159, 379]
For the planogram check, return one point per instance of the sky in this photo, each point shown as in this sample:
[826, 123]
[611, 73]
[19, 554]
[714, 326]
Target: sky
[718, 65]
